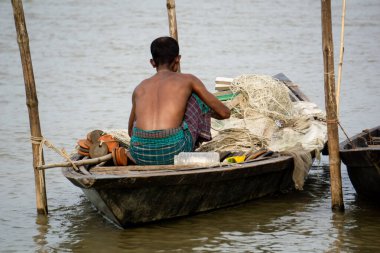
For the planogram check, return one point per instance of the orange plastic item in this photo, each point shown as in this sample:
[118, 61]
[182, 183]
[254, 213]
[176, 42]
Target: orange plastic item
[109, 141]
[114, 157]
[119, 156]
[83, 153]
[84, 146]
[84, 143]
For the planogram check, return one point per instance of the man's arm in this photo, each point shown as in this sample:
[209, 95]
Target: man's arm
[219, 110]
[132, 116]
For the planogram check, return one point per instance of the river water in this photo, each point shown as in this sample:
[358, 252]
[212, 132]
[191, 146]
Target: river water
[89, 55]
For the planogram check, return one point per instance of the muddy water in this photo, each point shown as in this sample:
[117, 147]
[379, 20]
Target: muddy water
[87, 58]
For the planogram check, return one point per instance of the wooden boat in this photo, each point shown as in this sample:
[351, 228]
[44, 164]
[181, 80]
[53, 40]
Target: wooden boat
[132, 195]
[361, 155]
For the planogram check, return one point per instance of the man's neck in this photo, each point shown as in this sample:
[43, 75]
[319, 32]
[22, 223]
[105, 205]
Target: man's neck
[164, 68]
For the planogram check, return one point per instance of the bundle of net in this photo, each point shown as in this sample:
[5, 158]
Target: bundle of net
[234, 140]
[261, 101]
[262, 94]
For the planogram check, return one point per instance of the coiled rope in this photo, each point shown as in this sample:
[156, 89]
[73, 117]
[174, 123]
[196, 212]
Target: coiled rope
[41, 141]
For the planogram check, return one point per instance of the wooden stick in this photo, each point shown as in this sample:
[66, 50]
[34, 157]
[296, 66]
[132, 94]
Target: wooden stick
[341, 52]
[170, 5]
[330, 104]
[77, 163]
[32, 104]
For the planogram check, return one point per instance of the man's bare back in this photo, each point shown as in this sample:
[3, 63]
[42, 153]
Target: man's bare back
[159, 102]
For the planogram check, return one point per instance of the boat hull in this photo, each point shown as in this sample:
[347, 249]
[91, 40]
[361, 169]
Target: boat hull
[133, 199]
[133, 195]
[363, 163]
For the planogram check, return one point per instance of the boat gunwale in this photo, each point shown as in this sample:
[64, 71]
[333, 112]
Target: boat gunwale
[360, 149]
[69, 172]
[343, 144]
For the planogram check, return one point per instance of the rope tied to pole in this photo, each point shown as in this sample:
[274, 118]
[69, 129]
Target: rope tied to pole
[332, 121]
[41, 141]
[336, 121]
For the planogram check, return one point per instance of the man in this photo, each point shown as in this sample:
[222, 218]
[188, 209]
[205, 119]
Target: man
[170, 111]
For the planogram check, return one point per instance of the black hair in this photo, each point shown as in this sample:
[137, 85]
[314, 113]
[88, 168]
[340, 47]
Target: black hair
[164, 50]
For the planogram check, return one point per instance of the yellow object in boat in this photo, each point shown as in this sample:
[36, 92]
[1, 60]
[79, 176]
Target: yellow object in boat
[235, 159]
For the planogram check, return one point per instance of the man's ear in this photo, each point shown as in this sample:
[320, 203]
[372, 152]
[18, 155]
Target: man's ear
[153, 63]
[178, 59]
[175, 64]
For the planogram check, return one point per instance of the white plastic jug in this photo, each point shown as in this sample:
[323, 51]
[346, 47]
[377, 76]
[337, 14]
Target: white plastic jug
[197, 158]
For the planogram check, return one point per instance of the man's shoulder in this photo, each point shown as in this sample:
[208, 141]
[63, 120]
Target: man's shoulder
[186, 77]
[143, 83]
[139, 89]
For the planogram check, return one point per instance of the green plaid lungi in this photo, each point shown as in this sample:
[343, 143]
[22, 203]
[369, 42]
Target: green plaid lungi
[158, 147]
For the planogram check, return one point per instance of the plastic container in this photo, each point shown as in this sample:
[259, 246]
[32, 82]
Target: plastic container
[197, 158]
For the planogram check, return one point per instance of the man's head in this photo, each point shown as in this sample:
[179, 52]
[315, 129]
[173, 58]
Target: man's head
[165, 50]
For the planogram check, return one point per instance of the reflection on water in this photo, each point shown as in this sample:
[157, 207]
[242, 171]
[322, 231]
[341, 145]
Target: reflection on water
[87, 58]
[43, 226]
[294, 222]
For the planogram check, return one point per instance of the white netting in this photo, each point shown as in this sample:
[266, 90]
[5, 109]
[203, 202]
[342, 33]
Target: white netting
[234, 139]
[263, 109]
[263, 115]
[262, 94]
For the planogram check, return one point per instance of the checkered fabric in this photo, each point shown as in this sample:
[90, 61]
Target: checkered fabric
[158, 147]
[198, 118]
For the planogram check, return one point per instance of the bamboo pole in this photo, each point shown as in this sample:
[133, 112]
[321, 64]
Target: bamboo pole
[331, 108]
[170, 5]
[341, 52]
[77, 163]
[32, 104]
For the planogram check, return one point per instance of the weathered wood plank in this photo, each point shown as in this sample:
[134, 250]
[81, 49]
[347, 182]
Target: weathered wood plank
[294, 88]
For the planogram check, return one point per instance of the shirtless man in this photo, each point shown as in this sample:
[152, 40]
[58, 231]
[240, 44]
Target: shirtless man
[169, 108]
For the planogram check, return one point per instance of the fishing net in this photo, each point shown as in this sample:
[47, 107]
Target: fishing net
[263, 115]
[263, 111]
[302, 163]
[240, 139]
[262, 94]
